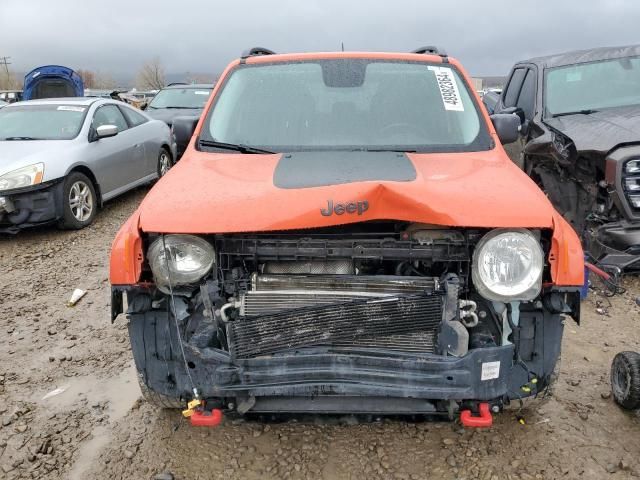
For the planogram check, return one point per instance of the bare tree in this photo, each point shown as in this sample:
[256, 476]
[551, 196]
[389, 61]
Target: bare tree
[151, 75]
[9, 81]
[88, 78]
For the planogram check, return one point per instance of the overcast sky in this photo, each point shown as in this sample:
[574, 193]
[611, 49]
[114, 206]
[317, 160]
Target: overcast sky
[118, 36]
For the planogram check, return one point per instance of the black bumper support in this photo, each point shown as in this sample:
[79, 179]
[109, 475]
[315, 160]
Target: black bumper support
[313, 372]
[38, 205]
[618, 244]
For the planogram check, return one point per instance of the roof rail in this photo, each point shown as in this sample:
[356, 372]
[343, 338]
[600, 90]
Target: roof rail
[257, 51]
[432, 50]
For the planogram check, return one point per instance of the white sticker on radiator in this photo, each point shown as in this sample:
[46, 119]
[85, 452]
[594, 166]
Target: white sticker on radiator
[490, 370]
[448, 88]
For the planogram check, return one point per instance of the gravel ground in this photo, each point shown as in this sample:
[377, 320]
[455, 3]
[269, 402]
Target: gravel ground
[96, 427]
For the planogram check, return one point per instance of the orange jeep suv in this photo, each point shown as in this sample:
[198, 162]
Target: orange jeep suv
[345, 234]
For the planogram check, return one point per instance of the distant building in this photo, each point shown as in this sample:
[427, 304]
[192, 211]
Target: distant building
[477, 84]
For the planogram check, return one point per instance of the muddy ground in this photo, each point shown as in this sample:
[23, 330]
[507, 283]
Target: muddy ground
[98, 428]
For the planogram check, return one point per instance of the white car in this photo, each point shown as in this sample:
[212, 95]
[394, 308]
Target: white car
[60, 159]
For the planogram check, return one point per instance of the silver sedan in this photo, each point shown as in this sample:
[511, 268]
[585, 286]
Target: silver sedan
[60, 159]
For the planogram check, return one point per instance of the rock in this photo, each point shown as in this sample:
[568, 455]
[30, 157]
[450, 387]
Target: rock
[622, 465]
[448, 441]
[164, 476]
[128, 454]
[575, 383]
[21, 428]
[451, 460]
[638, 301]
[583, 416]
[611, 468]
[52, 359]
[6, 421]
[51, 331]
[605, 395]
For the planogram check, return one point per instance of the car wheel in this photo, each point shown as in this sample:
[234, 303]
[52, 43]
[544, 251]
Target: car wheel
[157, 364]
[158, 400]
[625, 379]
[164, 162]
[79, 202]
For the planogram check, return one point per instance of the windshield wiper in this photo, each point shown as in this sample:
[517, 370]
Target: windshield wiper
[20, 138]
[586, 111]
[232, 146]
[184, 108]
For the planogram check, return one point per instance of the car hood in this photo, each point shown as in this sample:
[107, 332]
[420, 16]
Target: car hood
[224, 193]
[600, 131]
[17, 154]
[168, 114]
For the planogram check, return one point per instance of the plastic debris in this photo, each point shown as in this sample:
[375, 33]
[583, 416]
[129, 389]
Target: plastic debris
[55, 392]
[76, 296]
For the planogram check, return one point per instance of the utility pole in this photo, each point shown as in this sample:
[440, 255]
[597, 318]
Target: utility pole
[5, 61]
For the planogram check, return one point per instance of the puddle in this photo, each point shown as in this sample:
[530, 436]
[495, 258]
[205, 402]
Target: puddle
[88, 452]
[120, 392]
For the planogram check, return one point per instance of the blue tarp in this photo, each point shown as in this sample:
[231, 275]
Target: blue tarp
[51, 81]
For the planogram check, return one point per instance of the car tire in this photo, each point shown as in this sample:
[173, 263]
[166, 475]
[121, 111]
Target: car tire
[165, 162]
[625, 379]
[157, 362]
[79, 202]
[162, 402]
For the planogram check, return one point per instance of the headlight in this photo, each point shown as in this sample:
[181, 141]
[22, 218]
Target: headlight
[22, 177]
[507, 266]
[632, 166]
[180, 260]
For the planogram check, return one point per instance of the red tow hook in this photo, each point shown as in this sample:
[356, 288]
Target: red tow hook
[485, 420]
[206, 419]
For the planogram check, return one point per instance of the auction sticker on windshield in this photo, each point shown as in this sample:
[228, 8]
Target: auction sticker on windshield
[448, 88]
[70, 108]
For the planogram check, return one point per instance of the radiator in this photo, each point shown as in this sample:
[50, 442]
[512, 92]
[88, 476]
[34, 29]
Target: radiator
[288, 312]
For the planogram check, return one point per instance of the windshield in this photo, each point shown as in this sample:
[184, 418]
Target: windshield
[346, 104]
[592, 86]
[41, 122]
[181, 98]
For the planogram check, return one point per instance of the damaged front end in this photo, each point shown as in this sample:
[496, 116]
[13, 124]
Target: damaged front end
[598, 193]
[370, 318]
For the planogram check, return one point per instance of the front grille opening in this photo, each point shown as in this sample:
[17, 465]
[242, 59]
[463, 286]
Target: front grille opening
[285, 313]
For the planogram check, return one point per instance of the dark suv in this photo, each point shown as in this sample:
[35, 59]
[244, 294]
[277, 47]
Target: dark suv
[179, 100]
[580, 141]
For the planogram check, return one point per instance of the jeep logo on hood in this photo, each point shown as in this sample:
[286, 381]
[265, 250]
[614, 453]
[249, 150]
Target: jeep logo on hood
[340, 208]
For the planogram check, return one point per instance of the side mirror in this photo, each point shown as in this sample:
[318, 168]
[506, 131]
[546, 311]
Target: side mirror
[183, 128]
[515, 111]
[106, 131]
[507, 126]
